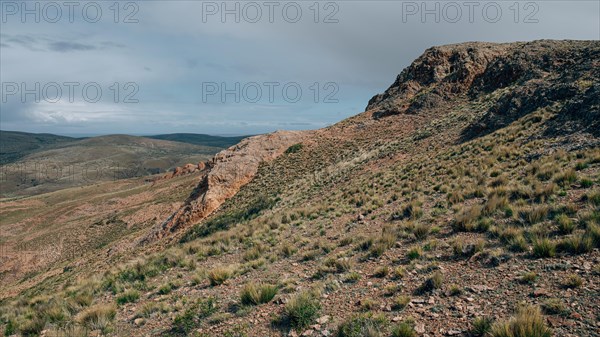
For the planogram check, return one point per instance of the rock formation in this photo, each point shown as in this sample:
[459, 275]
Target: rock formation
[229, 170]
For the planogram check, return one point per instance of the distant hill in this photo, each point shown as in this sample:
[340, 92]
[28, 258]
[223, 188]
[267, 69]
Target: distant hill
[39, 163]
[200, 139]
[15, 145]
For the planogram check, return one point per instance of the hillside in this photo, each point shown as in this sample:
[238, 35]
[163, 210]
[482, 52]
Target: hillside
[464, 201]
[53, 162]
[15, 145]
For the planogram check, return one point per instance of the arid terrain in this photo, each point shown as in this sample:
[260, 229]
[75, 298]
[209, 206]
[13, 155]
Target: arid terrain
[464, 201]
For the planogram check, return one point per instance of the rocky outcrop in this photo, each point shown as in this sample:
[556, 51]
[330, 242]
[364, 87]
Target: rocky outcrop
[186, 169]
[438, 74]
[533, 75]
[229, 170]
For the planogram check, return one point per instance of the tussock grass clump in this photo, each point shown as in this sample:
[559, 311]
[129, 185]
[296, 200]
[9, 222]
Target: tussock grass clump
[149, 308]
[339, 265]
[287, 250]
[462, 248]
[566, 178]
[565, 224]
[466, 219]
[432, 283]
[255, 294]
[482, 326]
[529, 277]
[383, 243]
[166, 288]
[404, 329]
[97, 317]
[367, 304]
[411, 211]
[129, 296]
[534, 214]
[593, 197]
[352, 277]
[554, 306]
[421, 231]
[572, 281]
[187, 321]
[495, 202]
[593, 232]
[543, 247]
[398, 273]
[415, 253]
[400, 302]
[301, 310]
[577, 244]
[382, 272]
[455, 290]
[527, 322]
[219, 275]
[253, 253]
[361, 325]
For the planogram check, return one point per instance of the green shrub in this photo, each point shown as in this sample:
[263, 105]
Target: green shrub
[294, 148]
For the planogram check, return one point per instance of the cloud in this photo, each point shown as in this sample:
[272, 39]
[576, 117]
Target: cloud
[65, 46]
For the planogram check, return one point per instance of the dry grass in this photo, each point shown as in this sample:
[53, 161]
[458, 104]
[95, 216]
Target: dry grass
[527, 322]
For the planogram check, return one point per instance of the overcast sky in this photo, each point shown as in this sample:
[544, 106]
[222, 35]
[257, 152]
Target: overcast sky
[163, 66]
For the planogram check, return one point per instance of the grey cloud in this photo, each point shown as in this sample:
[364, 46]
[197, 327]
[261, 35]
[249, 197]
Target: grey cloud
[64, 46]
[43, 43]
[26, 41]
[108, 44]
